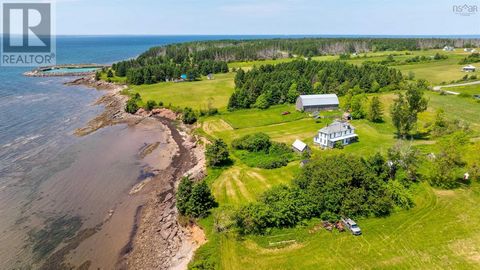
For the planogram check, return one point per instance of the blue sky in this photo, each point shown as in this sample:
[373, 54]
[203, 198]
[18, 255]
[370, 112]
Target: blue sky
[170, 17]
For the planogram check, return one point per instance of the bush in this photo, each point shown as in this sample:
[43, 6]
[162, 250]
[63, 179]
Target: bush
[253, 142]
[151, 104]
[183, 195]
[258, 151]
[131, 106]
[217, 153]
[189, 117]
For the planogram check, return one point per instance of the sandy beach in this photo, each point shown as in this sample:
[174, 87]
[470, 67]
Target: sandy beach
[141, 231]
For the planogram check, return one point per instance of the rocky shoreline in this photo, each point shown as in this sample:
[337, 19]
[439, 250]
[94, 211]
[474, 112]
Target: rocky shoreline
[157, 240]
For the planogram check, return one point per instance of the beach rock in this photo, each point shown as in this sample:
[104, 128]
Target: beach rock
[168, 197]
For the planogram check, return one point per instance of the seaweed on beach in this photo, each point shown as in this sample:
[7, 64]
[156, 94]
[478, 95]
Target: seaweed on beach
[56, 230]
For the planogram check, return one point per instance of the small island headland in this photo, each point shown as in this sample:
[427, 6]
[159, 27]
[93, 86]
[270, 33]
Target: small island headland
[65, 70]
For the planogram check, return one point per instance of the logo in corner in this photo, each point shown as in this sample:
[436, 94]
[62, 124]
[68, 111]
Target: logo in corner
[28, 38]
[465, 9]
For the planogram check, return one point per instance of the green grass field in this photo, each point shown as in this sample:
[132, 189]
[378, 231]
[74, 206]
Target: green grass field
[197, 95]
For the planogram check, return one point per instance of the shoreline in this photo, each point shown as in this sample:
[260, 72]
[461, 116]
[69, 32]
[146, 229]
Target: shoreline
[157, 240]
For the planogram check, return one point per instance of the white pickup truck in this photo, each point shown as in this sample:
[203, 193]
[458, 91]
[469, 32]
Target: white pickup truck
[352, 226]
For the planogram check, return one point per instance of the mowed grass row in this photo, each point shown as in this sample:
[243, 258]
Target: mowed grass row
[241, 184]
[438, 233]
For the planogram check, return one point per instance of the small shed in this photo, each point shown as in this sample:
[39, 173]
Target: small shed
[469, 68]
[299, 146]
[313, 103]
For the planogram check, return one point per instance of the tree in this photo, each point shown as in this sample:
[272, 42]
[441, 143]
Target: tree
[189, 117]
[405, 109]
[98, 76]
[200, 201]
[262, 102]
[375, 110]
[403, 156]
[217, 153]
[109, 73]
[292, 93]
[445, 170]
[357, 106]
[183, 194]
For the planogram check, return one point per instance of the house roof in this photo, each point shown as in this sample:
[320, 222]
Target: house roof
[315, 100]
[336, 126]
[299, 145]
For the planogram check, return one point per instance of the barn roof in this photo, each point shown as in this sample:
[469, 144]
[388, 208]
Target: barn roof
[318, 100]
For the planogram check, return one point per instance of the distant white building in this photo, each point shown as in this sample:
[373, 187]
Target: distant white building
[313, 103]
[448, 48]
[338, 131]
[469, 68]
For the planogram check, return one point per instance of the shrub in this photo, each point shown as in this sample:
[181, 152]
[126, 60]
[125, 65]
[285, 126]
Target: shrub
[217, 153]
[189, 117]
[253, 142]
[131, 106]
[183, 194]
[151, 104]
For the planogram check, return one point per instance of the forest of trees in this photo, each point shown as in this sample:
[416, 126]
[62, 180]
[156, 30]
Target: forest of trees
[282, 83]
[159, 69]
[258, 49]
[203, 57]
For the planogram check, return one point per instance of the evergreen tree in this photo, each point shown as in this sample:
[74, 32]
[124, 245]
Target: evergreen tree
[375, 110]
[109, 73]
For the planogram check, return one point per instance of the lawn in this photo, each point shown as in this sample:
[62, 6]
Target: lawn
[467, 89]
[438, 233]
[197, 95]
[435, 72]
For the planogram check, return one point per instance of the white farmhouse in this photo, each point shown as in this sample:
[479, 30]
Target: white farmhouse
[338, 131]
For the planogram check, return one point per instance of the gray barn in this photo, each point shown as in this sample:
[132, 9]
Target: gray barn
[312, 103]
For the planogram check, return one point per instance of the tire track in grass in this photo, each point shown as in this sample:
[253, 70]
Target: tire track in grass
[241, 186]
